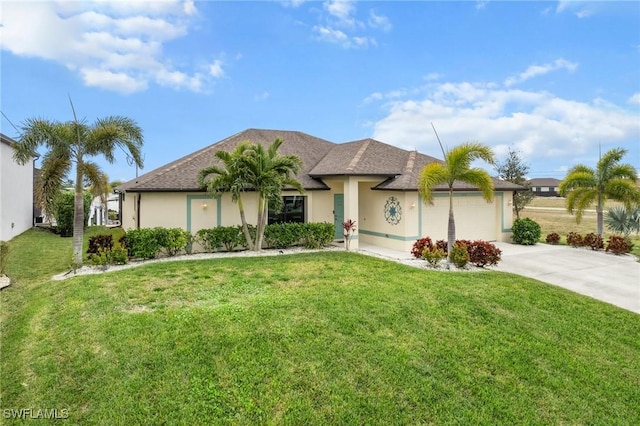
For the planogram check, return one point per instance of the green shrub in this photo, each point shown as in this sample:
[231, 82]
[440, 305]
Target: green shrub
[420, 246]
[227, 237]
[525, 231]
[142, 243]
[115, 255]
[171, 240]
[318, 234]
[575, 240]
[209, 239]
[63, 211]
[283, 235]
[553, 238]
[619, 245]
[433, 255]
[5, 248]
[459, 254]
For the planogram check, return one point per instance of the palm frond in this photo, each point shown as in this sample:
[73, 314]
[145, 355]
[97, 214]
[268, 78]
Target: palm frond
[577, 177]
[113, 132]
[94, 177]
[579, 200]
[432, 175]
[53, 173]
[480, 179]
[623, 190]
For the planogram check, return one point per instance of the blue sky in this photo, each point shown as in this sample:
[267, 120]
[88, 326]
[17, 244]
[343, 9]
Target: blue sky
[553, 80]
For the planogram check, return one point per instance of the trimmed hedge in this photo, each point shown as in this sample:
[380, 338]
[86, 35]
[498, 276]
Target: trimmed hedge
[276, 235]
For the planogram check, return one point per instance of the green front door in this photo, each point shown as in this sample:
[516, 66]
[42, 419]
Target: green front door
[338, 214]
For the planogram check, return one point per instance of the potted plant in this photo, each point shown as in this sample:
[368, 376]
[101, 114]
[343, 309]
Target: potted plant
[349, 227]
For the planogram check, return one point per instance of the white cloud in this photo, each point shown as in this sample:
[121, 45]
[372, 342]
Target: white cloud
[580, 8]
[341, 9]
[113, 45]
[108, 80]
[331, 35]
[215, 69]
[539, 124]
[338, 24]
[634, 99]
[379, 21]
[537, 70]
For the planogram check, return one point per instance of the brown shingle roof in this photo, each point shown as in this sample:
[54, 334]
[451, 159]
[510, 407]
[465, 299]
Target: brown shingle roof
[320, 158]
[182, 174]
[544, 182]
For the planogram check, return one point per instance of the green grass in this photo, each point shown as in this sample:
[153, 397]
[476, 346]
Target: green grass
[315, 338]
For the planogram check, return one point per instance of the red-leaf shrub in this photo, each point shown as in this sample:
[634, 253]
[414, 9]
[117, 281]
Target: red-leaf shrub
[442, 245]
[619, 245]
[482, 253]
[97, 242]
[420, 245]
[553, 238]
[594, 241]
[575, 240]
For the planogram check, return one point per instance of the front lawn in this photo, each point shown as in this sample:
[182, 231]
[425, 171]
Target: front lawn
[314, 338]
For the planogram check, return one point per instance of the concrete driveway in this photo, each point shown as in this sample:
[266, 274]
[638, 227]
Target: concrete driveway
[603, 276]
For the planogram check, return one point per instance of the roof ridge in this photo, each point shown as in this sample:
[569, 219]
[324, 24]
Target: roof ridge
[410, 162]
[356, 158]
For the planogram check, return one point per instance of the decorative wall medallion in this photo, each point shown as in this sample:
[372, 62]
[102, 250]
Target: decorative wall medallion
[392, 211]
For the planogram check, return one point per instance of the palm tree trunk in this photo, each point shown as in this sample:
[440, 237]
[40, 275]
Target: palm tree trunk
[78, 220]
[599, 215]
[451, 230]
[262, 203]
[245, 228]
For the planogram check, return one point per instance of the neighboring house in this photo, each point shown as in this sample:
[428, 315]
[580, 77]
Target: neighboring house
[369, 181]
[99, 212]
[544, 187]
[16, 192]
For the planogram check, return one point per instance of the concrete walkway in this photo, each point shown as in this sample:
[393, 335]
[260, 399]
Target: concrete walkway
[603, 276]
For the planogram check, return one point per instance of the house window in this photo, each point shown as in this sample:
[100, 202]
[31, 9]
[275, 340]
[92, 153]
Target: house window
[293, 210]
[545, 189]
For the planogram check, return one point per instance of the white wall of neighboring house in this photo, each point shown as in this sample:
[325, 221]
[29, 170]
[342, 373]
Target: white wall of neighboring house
[16, 193]
[97, 211]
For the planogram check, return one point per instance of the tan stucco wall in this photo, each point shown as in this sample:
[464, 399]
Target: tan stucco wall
[188, 211]
[475, 218]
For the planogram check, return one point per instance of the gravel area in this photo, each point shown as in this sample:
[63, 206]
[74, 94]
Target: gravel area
[409, 261]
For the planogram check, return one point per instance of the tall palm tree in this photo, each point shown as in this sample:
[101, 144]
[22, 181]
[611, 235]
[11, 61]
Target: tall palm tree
[584, 186]
[457, 167]
[229, 176]
[268, 172]
[70, 145]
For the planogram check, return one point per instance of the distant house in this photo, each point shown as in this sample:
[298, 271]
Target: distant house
[544, 187]
[369, 181]
[16, 192]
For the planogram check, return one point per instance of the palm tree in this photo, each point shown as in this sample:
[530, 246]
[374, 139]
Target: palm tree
[251, 167]
[584, 186]
[69, 145]
[457, 167]
[268, 173]
[230, 177]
